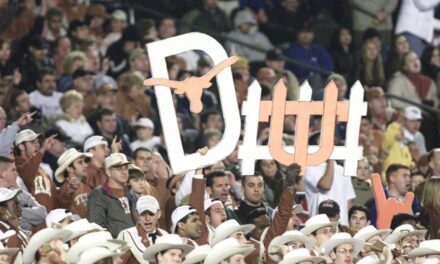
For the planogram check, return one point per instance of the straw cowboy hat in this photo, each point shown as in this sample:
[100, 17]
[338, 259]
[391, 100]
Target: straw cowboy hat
[370, 259]
[197, 255]
[289, 236]
[317, 222]
[165, 242]
[300, 255]
[227, 248]
[82, 227]
[227, 228]
[38, 239]
[66, 159]
[404, 231]
[370, 231]
[96, 239]
[339, 239]
[95, 254]
[428, 247]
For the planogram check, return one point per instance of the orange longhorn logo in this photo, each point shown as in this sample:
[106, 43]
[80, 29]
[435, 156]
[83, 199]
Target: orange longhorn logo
[193, 86]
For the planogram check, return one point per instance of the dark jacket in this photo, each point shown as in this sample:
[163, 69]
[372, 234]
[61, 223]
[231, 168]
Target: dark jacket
[106, 210]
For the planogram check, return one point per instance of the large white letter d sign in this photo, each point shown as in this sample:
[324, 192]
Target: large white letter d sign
[193, 87]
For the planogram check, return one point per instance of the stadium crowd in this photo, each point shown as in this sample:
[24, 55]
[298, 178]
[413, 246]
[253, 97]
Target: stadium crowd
[84, 169]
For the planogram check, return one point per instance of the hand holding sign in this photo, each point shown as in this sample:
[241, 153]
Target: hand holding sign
[387, 208]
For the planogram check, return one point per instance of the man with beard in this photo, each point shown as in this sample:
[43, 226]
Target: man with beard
[187, 224]
[72, 170]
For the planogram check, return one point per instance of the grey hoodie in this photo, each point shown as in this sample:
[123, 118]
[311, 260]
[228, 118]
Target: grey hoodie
[253, 37]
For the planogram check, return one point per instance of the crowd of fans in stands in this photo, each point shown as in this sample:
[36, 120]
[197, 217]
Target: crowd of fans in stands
[84, 169]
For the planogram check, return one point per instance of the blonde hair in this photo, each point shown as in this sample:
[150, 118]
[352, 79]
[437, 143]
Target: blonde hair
[431, 195]
[130, 80]
[373, 72]
[71, 58]
[69, 98]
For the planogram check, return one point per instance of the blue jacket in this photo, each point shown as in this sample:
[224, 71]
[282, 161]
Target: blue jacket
[416, 207]
[315, 55]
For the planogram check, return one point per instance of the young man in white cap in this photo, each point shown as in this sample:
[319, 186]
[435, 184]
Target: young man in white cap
[187, 224]
[168, 249]
[146, 232]
[108, 204]
[10, 213]
[342, 248]
[144, 128]
[215, 214]
[28, 156]
[72, 170]
[321, 229]
[411, 127]
[98, 147]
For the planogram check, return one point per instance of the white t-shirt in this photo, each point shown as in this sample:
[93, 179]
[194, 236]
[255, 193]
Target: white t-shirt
[78, 130]
[341, 190]
[49, 105]
[149, 144]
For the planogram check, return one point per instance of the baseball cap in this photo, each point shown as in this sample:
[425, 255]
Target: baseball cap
[94, 141]
[7, 194]
[144, 122]
[179, 213]
[147, 203]
[115, 159]
[413, 113]
[119, 15]
[329, 207]
[56, 216]
[25, 136]
[210, 202]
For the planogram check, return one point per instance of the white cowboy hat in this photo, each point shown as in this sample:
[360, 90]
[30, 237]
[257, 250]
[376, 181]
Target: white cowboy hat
[227, 248]
[95, 254]
[428, 247]
[56, 216]
[41, 237]
[82, 227]
[370, 231]
[165, 242]
[370, 259]
[339, 239]
[317, 222]
[227, 228]
[404, 231]
[300, 255]
[66, 159]
[97, 239]
[7, 194]
[198, 254]
[8, 251]
[290, 236]
[7, 234]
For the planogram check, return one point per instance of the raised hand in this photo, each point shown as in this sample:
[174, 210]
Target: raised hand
[387, 208]
[48, 143]
[25, 119]
[116, 145]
